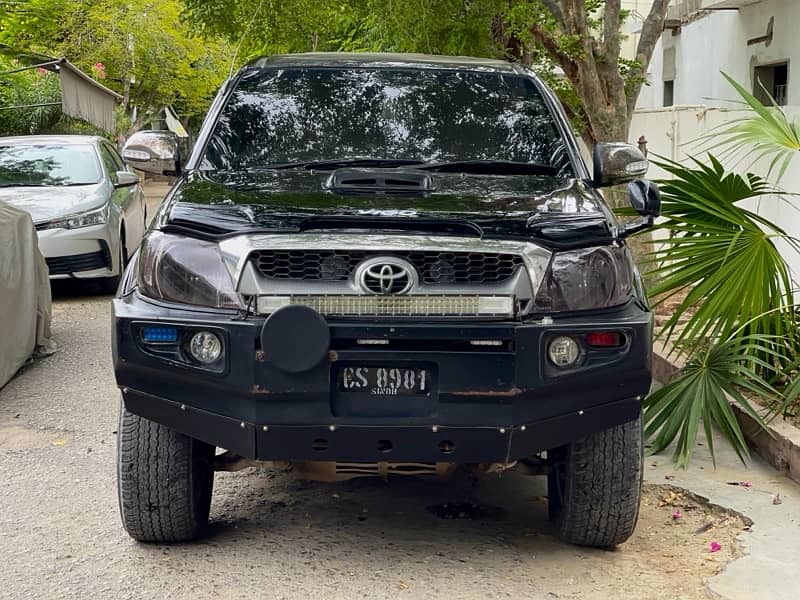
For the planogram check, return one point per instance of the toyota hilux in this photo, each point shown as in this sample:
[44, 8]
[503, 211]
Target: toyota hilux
[384, 264]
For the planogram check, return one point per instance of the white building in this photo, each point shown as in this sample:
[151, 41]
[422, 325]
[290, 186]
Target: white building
[751, 40]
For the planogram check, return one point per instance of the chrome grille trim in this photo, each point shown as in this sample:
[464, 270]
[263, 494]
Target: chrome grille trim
[236, 253]
[434, 267]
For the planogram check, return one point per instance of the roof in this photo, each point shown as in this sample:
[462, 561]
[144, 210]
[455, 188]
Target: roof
[383, 59]
[63, 63]
[29, 140]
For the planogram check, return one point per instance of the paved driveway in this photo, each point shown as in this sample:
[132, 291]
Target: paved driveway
[274, 536]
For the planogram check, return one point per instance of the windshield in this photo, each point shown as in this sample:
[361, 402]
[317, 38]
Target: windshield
[310, 114]
[48, 164]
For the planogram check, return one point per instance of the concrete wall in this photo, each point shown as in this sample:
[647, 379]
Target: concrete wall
[714, 41]
[674, 133]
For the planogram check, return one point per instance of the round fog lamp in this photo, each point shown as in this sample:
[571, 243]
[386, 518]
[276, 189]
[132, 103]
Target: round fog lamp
[205, 347]
[563, 351]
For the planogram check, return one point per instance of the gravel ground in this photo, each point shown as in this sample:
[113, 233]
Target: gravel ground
[275, 536]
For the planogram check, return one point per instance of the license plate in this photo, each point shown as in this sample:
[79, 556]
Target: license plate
[385, 381]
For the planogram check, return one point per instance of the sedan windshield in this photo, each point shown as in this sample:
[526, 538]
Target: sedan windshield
[302, 115]
[48, 164]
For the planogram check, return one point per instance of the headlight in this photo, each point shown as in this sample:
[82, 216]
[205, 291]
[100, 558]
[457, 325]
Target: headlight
[586, 279]
[93, 217]
[185, 270]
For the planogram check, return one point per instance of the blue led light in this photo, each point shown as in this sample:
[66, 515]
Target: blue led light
[159, 335]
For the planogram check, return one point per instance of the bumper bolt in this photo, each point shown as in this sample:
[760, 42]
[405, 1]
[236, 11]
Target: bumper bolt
[124, 390]
[331, 427]
[265, 428]
[260, 355]
[580, 412]
[523, 428]
[502, 430]
[242, 425]
[183, 407]
[435, 428]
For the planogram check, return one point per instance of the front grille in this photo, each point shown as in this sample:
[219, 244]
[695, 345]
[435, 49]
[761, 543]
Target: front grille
[65, 265]
[434, 267]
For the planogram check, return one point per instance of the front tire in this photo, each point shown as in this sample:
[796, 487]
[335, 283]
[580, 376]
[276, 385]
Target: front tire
[164, 481]
[595, 485]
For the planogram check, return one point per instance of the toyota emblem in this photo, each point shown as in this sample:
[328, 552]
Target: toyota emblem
[386, 276]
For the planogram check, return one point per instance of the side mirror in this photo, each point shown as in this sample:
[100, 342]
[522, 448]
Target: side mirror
[153, 151]
[617, 163]
[645, 198]
[125, 179]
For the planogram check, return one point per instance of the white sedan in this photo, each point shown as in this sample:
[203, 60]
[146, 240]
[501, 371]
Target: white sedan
[88, 207]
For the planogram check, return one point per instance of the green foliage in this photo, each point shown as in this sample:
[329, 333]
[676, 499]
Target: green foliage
[768, 134]
[698, 395]
[484, 28]
[740, 332]
[25, 89]
[137, 40]
[722, 254]
[37, 94]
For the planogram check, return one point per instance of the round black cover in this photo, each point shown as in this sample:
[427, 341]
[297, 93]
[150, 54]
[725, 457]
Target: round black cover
[295, 338]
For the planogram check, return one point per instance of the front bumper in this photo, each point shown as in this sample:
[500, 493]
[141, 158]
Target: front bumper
[82, 253]
[489, 405]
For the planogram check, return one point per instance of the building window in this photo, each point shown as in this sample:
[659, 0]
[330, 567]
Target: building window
[771, 80]
[669, 93]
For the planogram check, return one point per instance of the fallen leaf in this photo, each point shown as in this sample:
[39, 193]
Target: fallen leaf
[402, 585]
[776, 499]
[59, 442]
[704, 528]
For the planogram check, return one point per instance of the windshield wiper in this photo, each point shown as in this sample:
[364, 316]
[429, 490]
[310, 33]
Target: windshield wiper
[344, 162]
[490, 167]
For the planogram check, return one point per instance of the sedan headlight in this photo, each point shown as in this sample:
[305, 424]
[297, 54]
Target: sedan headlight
[93, 217]
[185, 270]
[586, 279]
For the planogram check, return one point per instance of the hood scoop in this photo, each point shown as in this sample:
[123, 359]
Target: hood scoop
[381, 182]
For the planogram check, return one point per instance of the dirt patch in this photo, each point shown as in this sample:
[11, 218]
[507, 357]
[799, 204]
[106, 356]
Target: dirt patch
[19, 437]
[686, 538]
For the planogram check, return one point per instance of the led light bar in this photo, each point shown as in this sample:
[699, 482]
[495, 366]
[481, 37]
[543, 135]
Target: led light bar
[395, 306]
[486, 342]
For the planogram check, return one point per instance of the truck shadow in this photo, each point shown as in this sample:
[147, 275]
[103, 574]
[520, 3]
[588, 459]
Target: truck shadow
[65, 289]
[402, 517]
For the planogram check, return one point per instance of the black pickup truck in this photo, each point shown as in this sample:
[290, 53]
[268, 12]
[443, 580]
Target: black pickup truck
[384, 264]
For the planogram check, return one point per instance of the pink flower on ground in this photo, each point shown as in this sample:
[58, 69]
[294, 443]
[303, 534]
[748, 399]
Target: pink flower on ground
[746, 483]
[42, 71]
[676, 514]
[715, 547]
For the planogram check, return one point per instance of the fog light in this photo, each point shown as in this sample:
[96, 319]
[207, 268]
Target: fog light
[563, 351]
[205, 347]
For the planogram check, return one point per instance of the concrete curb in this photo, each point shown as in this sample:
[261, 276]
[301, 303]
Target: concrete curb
[781, 449]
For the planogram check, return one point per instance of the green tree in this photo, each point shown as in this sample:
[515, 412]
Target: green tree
[579, 38]
[147, 53]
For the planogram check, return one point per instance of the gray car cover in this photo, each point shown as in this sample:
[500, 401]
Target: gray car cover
[25, 303]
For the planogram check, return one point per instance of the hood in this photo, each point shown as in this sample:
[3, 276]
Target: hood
[558, 210]
[53, 202]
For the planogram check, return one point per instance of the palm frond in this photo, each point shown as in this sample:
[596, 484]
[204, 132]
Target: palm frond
[699, 395]
[768, 134]
[722, 255]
